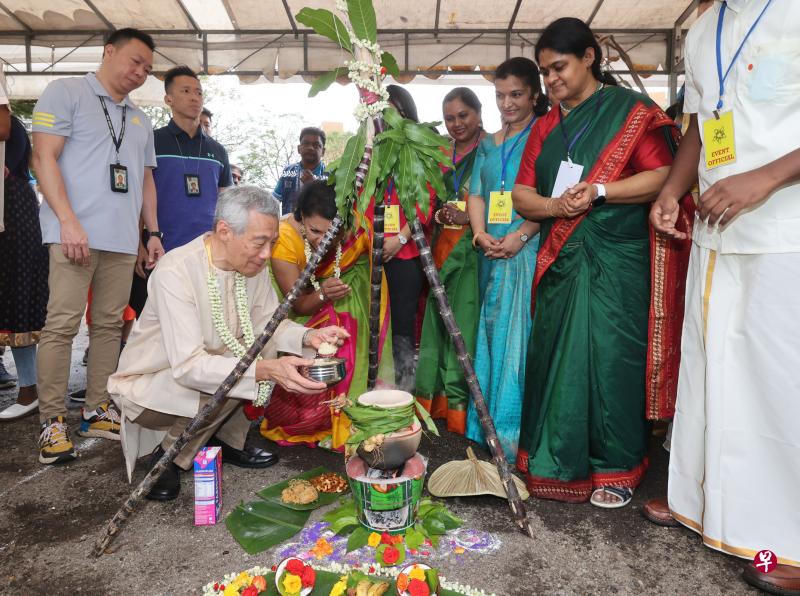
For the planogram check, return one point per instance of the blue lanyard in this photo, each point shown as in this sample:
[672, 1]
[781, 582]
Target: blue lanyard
[720, 76]
[505, 157]
[570, 144]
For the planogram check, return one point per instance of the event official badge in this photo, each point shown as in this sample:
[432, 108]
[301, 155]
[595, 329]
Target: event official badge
[191, 183]
[718, 140]
[500, 207]
[119, 178]
[391, 219]
[460, 205]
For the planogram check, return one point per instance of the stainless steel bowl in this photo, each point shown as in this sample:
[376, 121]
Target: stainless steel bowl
[327, 370]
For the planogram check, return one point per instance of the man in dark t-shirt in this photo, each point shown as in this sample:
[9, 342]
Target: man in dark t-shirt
[192, 167]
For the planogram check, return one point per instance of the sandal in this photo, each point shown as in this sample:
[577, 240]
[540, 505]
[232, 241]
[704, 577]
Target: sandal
[623, 494]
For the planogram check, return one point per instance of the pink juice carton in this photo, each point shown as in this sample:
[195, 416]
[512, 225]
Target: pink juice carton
[207, 486]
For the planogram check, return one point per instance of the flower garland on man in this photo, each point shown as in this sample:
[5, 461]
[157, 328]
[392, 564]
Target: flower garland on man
[205, 304]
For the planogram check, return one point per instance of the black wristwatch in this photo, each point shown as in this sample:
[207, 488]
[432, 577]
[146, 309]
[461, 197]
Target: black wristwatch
[157, 234]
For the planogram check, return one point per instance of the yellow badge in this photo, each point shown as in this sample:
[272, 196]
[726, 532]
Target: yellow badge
[391, 219]
[500, 207]
[462, 205]
[718, 140]
[136, 120]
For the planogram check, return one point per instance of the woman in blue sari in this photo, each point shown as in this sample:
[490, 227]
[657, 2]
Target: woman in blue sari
[507, 246]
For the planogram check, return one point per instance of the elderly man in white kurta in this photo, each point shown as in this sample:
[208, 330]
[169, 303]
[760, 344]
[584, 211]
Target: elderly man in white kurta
[734, 474]
[207, 300]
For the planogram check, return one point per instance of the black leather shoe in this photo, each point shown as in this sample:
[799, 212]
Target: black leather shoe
[168, 486]
[249, 457]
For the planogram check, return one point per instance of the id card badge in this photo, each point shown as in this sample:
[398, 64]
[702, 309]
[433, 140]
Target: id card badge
[500, 207]
[569, 174]
[191, 183]
[462, 206]
[718, 140]
[391, 219]
[119, 177]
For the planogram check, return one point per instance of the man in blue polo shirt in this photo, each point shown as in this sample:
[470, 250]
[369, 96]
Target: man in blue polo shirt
[310, 167]
[192, 167]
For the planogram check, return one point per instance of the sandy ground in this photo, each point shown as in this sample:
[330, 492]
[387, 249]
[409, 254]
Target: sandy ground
[51, 517]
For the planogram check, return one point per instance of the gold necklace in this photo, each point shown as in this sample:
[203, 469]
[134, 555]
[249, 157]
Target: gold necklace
[566, 109]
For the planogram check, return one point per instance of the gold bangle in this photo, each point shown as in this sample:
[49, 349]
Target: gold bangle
[549, 207]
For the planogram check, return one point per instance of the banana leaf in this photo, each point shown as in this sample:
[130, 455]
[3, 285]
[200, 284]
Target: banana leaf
[273, 493]
[261, 525]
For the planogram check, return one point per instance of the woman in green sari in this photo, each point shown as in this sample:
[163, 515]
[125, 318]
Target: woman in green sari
[440, 383]
[590, 169]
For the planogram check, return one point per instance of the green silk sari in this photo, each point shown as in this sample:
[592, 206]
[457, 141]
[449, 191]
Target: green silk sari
[440, 384]
[584, 422]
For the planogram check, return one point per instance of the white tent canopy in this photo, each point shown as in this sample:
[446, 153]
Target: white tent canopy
[260, 39]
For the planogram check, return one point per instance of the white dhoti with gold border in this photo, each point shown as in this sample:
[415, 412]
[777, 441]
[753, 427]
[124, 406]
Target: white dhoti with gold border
[734, 473]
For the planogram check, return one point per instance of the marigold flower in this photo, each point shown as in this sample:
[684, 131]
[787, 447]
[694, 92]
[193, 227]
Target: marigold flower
[250, 590]
[260, 583]
[339, 588]
[374, 539]
[291, 583]
[417, 573]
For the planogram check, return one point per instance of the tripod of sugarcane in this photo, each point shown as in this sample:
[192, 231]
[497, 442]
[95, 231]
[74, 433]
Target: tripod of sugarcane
[207, 412]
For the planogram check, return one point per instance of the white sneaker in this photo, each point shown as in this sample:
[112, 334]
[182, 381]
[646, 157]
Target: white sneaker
[16, 411]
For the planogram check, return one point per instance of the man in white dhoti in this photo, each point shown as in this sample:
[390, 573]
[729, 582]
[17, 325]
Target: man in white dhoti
[206, 301]
[734, 474]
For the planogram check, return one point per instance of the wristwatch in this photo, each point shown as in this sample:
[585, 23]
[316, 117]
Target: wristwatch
[601, 195]
[524, 238]
[157, 234]
[402, 239]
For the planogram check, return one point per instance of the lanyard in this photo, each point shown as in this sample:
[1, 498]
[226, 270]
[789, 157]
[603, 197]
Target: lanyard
[720, 76]
[199, 153]
[505, 157]
[458, 177]
[570, 144]
[117, 141]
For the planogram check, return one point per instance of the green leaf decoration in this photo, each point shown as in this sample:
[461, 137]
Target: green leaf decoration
[344, 174]
[414, 538]
[390, 64]
[326, 80]
[371, 181]
[392, 118]
[344, 525]
[261, 525]
[433, 527]
[432, 578]
[358, 539]
[423, 134]
[362, 19]
[426, 418]
[448, 520]
[406, 176]
[395, 134]
[272, 493]
[327, 24]
[347, 509]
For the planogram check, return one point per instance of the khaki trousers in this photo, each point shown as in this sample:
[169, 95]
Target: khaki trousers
[230, 425]
[109, 274]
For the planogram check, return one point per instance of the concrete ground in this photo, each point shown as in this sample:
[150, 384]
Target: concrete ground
[51, 516]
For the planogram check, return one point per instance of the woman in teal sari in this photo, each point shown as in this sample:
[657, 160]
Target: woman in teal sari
[507, 246]
[440, 384]
[589, 172]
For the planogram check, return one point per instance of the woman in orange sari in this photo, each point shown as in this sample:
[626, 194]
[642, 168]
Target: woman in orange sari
[339, 294]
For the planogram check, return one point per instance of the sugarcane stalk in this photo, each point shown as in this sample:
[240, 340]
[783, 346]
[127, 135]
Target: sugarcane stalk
[489, 431]
[206, 413]
[376, 280]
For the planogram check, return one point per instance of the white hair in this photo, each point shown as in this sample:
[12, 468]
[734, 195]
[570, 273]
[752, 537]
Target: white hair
[236, 202]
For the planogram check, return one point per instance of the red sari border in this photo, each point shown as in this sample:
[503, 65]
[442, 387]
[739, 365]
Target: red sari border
[578, 491]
